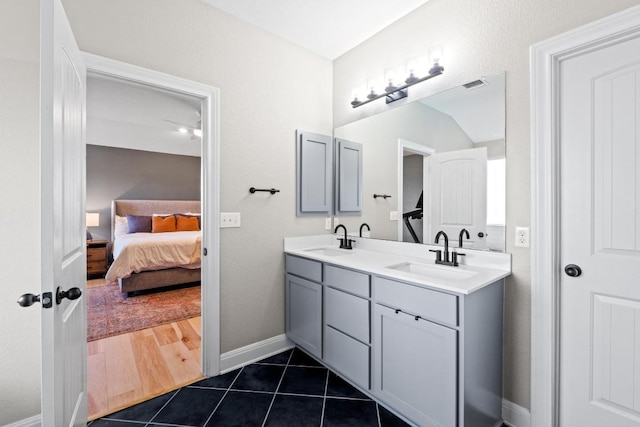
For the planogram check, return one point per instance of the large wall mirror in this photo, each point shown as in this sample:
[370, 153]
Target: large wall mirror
[441, 160]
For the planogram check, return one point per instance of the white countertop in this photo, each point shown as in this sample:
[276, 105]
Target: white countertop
[477, 268]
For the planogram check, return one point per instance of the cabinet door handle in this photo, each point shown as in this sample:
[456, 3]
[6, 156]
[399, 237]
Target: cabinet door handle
[418, 318]
[398, 310]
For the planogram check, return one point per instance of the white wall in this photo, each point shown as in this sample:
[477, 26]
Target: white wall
[481, 37]
[268, 88]
[20, 208]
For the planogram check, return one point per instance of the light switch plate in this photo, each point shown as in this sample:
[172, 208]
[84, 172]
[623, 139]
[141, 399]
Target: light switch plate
[327, 223]
[229, 219]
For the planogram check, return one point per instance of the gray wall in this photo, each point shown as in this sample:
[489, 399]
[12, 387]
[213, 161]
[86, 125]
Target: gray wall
[119, 173]
[268, 89]
[481, 37]
[20, 209]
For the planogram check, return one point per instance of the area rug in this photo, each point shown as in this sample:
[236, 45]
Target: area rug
[110, 312]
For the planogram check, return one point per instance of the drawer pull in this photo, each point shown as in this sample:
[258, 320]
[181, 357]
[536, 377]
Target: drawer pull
[398, 310]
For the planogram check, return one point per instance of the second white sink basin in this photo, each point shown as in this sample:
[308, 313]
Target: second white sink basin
[432, 271]
[328, 251]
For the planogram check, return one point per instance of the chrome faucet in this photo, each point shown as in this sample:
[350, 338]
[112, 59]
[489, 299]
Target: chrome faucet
[454, 255]
[346, 242]
[364, 224]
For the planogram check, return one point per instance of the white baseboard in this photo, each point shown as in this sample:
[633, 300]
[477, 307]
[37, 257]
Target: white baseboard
[34, 421]
[253, 352]
[515, 415]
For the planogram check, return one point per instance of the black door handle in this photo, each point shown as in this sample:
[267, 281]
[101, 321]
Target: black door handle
[573, 270]
[28, 300]
[73, 293]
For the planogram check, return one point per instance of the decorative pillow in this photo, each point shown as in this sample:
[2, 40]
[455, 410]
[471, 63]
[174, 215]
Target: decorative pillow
[195, 215]
[187, 223]
[120, 226]
[163, 224]
[139, 223]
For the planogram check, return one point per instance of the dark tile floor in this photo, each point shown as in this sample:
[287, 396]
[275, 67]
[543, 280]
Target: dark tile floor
[289, 389]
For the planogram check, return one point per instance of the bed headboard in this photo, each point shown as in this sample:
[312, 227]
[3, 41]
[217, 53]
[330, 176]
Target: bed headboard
[150, 207]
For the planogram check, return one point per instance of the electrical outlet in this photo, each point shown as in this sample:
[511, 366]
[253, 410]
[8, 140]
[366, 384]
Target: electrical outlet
[229, 219]
[522, 237]
[327, 223]
[393, 216]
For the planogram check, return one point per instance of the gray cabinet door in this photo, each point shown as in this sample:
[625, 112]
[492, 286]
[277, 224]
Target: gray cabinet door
[348, 177]
[314, 173]
[304, 314]
[415, 367]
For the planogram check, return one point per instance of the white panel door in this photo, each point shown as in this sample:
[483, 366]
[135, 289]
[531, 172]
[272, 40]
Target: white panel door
[600, 233]
[457, 195]
[63, 256]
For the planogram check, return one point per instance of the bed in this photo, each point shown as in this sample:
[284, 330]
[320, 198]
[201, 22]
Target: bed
[144, 260]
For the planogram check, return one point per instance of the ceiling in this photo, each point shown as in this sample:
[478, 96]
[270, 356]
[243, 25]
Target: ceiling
[479, 111]
[326, 27]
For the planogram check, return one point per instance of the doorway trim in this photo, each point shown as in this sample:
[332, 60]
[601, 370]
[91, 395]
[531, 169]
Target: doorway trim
[210, 188]
[413, 147]
[546, 57]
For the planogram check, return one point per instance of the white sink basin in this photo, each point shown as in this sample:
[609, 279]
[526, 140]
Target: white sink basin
[433, 271]
[328, 251]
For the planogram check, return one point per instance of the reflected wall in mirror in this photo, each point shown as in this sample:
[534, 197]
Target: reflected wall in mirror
[442, 160]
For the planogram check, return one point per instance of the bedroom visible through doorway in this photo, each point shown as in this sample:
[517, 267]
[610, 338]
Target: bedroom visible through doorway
[144, 144]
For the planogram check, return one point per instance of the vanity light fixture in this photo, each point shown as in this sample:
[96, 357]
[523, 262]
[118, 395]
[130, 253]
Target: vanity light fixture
[393, 92]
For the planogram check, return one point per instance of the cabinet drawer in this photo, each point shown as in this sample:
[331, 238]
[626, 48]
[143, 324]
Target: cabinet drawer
[96, 254]
[306, 268]
[96, 267]
[347, 356]
[347, 313]
[427, 303]
[348, 280]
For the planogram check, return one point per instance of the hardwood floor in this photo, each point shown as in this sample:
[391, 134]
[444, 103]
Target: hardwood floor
[127, 369]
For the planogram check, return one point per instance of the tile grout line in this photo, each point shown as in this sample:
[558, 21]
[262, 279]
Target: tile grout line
[275, 393]
[223, 396]
[142, 422]
[324, 399]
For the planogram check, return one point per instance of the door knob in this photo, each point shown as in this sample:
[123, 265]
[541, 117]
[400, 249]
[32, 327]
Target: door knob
[28, 300]
[573, 270]
[73, 293]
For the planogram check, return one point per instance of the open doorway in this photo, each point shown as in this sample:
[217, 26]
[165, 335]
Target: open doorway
[151, 137]
[411, 190]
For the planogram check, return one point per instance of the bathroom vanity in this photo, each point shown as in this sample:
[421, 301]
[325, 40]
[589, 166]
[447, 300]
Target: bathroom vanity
[425, 340]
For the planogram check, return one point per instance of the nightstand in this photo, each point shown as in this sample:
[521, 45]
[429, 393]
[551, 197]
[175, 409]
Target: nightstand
[96, 257]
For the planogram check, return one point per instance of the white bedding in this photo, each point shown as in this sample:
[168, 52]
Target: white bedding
[138, 252]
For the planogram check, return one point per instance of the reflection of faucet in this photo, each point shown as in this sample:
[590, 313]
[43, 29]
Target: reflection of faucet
[346, 242]
[462, 232]
[454, 255]
[362, 226]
